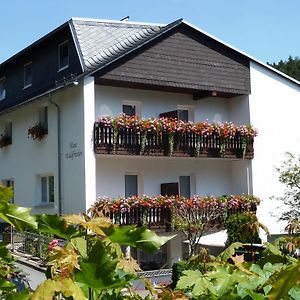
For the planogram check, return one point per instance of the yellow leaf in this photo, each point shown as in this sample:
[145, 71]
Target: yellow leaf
[128, 265]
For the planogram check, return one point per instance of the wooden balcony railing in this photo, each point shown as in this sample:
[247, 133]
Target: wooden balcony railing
[161, 217]
[128, 141]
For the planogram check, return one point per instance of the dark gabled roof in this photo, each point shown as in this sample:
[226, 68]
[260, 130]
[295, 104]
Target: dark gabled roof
[101, 42]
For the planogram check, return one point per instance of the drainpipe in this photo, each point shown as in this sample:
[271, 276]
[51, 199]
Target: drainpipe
[58, 152]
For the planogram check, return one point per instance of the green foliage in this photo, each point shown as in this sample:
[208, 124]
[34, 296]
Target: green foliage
[177, 270]
[138, 237]
[289, 175]
[91, 264]
[266, 279]
[291, 66]
[17, 216]
[236, 231]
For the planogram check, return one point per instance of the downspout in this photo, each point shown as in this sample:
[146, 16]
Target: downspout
[58, 152]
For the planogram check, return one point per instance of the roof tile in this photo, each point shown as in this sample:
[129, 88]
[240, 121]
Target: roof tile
[101, 41]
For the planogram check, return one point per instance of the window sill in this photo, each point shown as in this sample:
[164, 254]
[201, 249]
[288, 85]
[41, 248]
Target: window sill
[27, 86]
[63, 68]
[44, 205]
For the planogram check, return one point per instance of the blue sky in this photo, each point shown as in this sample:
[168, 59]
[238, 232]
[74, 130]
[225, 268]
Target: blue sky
[265, 29]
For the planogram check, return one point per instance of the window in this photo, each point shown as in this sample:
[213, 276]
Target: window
[9, 183]
[27, 75]
[43, 116]
[2, 88]
[47, 189]
[186, 113]
[129, 110]
[7, 136]
[131, 185]
[8, 128]
[185, 186]
[183, 115]
[63, 56]
[169, 189]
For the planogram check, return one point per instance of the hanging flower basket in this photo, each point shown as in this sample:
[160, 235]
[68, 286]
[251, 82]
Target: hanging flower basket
[5, 140]
[37, 132]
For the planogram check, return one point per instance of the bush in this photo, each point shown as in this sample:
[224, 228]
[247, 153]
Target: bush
[180, 266]
[237, 231]
[177, 271]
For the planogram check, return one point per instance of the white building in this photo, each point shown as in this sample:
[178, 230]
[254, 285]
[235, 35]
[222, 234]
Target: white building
[88, 68]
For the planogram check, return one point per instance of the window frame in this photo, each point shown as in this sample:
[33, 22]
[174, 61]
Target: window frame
[136, 104]
[61, 68]
[190, 109]
[47, 200]
[44, 116]
[27, 84]
[3, 83]
[140, 186]
[181, 188]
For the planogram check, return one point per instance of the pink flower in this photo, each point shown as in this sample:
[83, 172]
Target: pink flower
[52, 244]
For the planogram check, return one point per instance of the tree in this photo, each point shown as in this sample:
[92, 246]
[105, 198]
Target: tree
[192, 221]
[291, 66]
[289, 175]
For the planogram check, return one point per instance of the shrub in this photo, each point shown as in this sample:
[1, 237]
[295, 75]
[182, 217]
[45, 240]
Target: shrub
[237, 231]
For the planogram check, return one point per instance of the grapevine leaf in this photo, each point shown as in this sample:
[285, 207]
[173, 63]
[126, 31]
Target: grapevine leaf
[139, 237]
[295, 292]
[24, 295]
[15, 215]
[6, 194]
[99, 269]
[285, 281]
[6, 285]
[67, 287]
[56, 225]
[188, 279]
[228, 252]
[81, 245]
[128, 265]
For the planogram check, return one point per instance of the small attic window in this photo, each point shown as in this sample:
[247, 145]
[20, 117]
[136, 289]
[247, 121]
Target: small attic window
[63, 55]
[2, 88]
[28, 75]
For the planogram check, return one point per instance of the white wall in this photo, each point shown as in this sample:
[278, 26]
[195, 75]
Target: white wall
[25, 159]
[274, 110]
[73, 149]
[109, 102]
[209, 176]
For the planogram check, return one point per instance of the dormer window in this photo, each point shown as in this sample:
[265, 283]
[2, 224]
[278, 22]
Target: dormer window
[28, 75]
[2, 88]
[63, 56]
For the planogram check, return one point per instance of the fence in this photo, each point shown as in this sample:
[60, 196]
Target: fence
[131, 142]
[30, 243]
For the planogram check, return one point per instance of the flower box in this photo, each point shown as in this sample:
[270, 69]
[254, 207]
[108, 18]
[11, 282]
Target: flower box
[37, 132]
[169, 137]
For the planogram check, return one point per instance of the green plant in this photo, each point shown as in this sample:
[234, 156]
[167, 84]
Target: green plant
[198, 262]
[236, 231]
[289, 175]
[91, 264]
[275, 276]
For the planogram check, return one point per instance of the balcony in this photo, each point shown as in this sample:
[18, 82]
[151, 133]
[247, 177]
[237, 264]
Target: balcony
[156, 212]
[210, 142]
